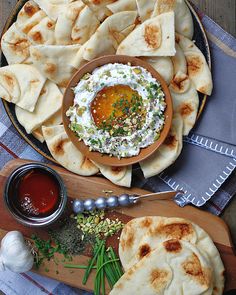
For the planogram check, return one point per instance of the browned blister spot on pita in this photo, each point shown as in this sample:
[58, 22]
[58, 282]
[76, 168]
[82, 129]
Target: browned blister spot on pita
[171, 141]
[172, 246]
[50, 68]
[152, 36]
[144, 250]
[48, 132]
[185, 109]
[192, 267]
[128, 243]
[9, 80]
[117, 170]
[30, 9]
[50, 24]
[180, 83]
[195, 64]
[165, 6]
[87, 164]
[58, 148]
[159, 279]
[174, 230]
[21, 46]
[37, 37]
[146, 222]
[43, 91]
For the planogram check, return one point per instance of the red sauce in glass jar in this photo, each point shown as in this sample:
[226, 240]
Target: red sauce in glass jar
[37, 194]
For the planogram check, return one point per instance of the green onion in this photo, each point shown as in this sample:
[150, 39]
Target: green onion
[78, 266]
[91, 263]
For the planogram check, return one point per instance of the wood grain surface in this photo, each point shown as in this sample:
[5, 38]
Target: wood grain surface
[78, 186]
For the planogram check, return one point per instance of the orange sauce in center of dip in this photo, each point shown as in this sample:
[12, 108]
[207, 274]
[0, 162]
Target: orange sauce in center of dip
[109, 100]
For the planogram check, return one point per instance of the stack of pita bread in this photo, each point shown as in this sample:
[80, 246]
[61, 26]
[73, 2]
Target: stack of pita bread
[51, 39]
[163, 255]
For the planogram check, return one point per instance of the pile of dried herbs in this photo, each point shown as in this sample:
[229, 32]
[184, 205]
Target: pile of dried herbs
[70, 238]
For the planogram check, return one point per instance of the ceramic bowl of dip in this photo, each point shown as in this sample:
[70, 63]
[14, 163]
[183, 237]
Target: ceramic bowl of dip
[105, 100]
[35, 195]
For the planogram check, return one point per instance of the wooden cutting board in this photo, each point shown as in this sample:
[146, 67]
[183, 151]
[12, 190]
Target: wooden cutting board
[83, 187]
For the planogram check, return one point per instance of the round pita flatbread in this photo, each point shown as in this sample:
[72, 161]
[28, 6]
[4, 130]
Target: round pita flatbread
[142, 235]
[173, 267]
[65, 153]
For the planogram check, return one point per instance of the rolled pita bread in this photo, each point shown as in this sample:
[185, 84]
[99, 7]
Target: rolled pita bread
[29, 16]
[122, 5]
[198, 69]
[65, 153]
[85, 26]
[110, 33]
[22, 85]
[163, 65]
[52, 9]
[174, 267]
[121, 176]
[149, 231]
[179, 61]
[66, 21]
[183, 18]
[167, 153]
[43, 32]
[15, 45]
[54, 61]
[145, 9]
[154, 37]
[99, 8]
[49, 102]
[185, 100]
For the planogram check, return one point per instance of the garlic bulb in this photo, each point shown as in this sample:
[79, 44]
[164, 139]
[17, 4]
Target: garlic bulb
[15, 254]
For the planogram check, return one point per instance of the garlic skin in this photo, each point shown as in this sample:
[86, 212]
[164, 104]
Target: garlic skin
[15, 254]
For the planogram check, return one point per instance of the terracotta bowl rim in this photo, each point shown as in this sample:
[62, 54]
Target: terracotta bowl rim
[68, 99]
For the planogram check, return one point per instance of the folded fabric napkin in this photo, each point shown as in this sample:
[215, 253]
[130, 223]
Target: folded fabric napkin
[202, 171]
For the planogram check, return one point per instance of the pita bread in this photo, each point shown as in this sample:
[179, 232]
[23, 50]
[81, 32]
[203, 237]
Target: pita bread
[174, 267]
[163, 65]
[65, 153]
[85, 26]
[122, 5]
[121, 176]
[145, 9]
[107, 37]
[167, 153]
[99, 8]
[183, 18]
[79, 60]
[179, 61]
[49, 102]
[52, 10]
[15, 45]
[185, 100]
[23, 83]
[154, 37]
[55, 119]
[54, 61]
[147, 232]
[65, 23]
[198, 69]
[29, 16]
[43, 32]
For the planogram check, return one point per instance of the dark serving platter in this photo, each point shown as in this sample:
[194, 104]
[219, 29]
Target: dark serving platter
[199, 37]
